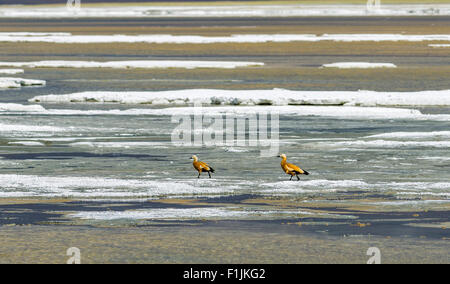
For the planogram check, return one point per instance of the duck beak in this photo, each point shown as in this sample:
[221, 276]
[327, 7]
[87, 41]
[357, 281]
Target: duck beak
[279, 156]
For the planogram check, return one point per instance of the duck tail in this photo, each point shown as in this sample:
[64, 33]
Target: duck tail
[211, 169]
[305, 172]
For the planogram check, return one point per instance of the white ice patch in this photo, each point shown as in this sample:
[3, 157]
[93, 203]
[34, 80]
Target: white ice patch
[230, 10]
[434, 158]
[124, 145]
[235, 150]
[198, 39]
[347, 112]
[258, 97]
[439, 45]
[26, 143]
[93, 187]
[148, 64]
[166, 213]
[421, 187]
[358, 65]
[187, 213]
[32, 34]
[319, 185]
[387, 144]
[15, 128]
[10, 107]
[331, 111]
[9, 82]
[409, 135]
[11, 71]
[307, 185]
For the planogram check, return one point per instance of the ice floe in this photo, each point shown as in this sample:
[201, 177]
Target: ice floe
[409, 135]
[164, 213]
[26, 143]
[229, 10]
[14, 185]
[11, 71]
[360, 65]
[257, 97]
[346, 112]
[11, 107]
[327, 186]
[9, 82]
[125, 145]
[22, 129]
[439, 45]
[93, 187]
[419, 187]
[434, 158]
[198, 39]
[387, 144]
[331, 111]
[319, 185]
[191, 213]
[133, 64]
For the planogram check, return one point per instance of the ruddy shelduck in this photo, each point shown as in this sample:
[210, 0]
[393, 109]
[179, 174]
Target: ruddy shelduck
[201, 166]
[291, 169]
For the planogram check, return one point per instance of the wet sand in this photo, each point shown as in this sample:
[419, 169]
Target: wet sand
[36, 231]
[339, 217]
[194, 244]
[233, 25]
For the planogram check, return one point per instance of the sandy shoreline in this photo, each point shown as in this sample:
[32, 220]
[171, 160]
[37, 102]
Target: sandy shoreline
[187, 244]
[45, 234]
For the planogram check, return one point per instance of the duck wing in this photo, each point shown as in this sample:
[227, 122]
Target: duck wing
[204, 166]
[296, 169]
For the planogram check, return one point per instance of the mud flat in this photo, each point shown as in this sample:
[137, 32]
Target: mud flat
[43, 234]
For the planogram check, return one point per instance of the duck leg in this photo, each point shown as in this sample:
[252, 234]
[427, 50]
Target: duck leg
[297, 177]
[198, 175]
[291, 177]
[209, 174]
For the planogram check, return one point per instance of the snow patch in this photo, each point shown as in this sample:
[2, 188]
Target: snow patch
[257, 97]
[432, 134]
[388, 144]
[14, 128]
[439, 45]
[26, 143]
[230, 10]
[235, 38]
[93, 187]
[133, 64]
[124, 145]
[11, 71]
[187, 213]
[166, 213]
[11, 107]
[9, 82]
[360, 65]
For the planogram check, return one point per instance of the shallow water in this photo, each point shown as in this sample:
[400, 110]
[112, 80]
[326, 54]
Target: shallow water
[133, 156]
[123, 157]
